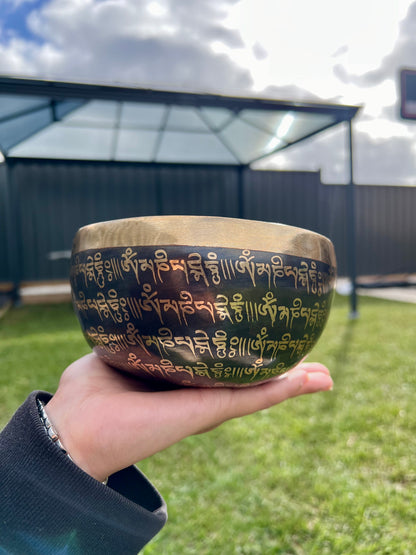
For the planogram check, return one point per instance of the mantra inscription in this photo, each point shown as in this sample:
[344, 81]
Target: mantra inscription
[200, 316]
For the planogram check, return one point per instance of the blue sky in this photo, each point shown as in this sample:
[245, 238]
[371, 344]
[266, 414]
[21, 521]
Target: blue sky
[14, 17]
[344, 51]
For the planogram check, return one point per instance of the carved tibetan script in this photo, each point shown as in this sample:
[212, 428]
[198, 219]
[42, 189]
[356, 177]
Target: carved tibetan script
[200, 313]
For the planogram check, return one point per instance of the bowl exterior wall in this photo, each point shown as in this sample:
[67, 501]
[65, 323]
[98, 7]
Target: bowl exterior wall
[200, 316]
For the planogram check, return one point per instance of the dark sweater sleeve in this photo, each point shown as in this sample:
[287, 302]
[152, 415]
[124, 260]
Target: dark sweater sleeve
[48, 505]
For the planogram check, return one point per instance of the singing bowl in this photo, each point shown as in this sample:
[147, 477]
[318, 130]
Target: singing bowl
[201, 301]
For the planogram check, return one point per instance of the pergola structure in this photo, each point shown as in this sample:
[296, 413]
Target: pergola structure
[73, 121]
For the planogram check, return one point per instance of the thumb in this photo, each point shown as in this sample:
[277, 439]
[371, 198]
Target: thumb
[212, 407]
[304, 379]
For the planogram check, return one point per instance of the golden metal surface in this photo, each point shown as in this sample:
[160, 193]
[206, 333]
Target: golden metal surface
[201, 301]
[205, 231]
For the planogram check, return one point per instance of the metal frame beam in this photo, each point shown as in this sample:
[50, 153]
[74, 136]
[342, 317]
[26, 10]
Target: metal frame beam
[63, 90]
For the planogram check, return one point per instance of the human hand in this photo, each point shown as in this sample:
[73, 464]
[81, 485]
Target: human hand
[108, 421]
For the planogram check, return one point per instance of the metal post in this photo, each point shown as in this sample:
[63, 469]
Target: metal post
[159, 193]
[351, 222]
[240, 191]
[12, 230]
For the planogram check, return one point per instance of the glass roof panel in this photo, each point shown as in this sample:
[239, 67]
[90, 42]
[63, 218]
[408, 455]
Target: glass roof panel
[65, 142]
[64, 107]
[287, 125]
[136, 145]
[268, 120]
[217, 118]
[18, 129]
[109, 122]
[248, 142]
[146, 115]
[14, 104]
[183, 118]
[193, 147]
[306, 123]
[102, 113]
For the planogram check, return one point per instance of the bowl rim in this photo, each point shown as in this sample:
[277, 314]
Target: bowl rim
[205, 231]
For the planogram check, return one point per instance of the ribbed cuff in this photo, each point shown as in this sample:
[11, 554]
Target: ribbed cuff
[47, 497]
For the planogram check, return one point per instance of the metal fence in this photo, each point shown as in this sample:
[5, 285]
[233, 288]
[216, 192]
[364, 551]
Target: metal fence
[50, 200]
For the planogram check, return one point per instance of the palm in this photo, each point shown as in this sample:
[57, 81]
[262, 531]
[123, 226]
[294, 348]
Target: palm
[109, 420]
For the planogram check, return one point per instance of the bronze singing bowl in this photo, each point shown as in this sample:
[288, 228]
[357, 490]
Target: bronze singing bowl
[201, 301]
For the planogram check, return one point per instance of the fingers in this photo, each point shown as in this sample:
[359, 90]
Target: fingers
[305, 378]
[211, 407]
[318, 379]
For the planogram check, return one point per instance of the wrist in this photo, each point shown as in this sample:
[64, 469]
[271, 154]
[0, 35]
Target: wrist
[56, 439]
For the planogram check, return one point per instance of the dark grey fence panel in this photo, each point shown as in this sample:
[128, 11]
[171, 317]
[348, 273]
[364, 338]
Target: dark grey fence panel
[196, 190]
[4, 266]
[385, 221]
[386, 229]
[299, 199]
[55, 198]
[58, 198]
[293, 198]
[334, 222]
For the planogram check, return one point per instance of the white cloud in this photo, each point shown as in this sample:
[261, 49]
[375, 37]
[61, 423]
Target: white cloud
[301, 39]
[158, 44]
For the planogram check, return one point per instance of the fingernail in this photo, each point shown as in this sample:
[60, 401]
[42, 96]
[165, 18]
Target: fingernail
[319, 381]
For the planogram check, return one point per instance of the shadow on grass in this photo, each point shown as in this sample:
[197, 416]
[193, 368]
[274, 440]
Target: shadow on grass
[342, 358]
[342, 355]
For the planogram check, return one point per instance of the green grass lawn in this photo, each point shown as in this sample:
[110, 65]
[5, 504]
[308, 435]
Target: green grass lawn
[333, 473]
